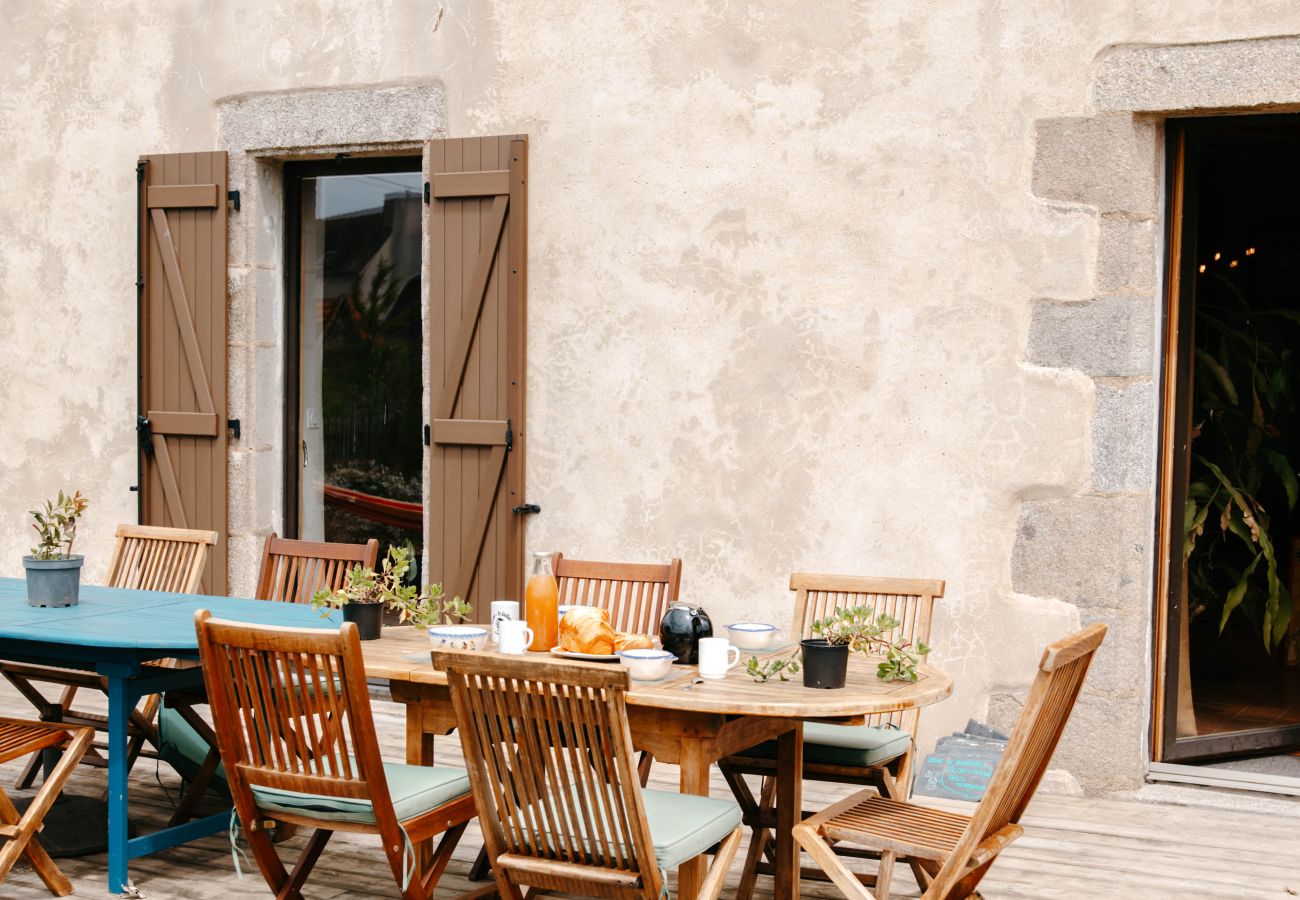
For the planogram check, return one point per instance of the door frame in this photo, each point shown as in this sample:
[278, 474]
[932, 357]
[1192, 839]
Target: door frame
[1175, 414]
[294, 172]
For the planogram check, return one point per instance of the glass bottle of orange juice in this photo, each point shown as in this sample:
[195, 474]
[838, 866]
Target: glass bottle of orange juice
[541, 604]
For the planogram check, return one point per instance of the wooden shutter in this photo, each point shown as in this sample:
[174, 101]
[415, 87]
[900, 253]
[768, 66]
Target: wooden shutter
[182, 334]
[477, 233]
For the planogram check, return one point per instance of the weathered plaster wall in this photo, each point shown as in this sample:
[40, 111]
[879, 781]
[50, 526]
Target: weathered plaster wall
[801, 295]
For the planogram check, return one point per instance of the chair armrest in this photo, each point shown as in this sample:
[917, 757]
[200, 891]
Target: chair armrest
[994, 844]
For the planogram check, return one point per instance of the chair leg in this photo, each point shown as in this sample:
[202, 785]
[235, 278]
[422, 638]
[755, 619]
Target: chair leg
[441, 856]
[760, 840]
[22, 843]
[809, 839]
[481, 868]
[717, 874]
[291, 890]
[643, 766]
[268, 861]
[29, 773]
[885, 874]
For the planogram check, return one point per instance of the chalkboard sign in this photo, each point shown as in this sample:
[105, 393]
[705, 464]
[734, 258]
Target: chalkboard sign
[961, 765]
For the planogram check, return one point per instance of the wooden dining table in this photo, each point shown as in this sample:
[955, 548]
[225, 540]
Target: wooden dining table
[681, 719]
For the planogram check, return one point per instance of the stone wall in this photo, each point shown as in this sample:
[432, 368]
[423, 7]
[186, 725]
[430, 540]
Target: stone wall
[829, 287]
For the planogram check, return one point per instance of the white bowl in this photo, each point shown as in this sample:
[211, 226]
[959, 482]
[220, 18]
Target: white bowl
[458, 637]
[647, 665]
[751, 635]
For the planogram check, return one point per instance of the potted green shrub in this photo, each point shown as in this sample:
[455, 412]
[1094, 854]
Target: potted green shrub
[367, 593]
[857, 629]
[53, 572]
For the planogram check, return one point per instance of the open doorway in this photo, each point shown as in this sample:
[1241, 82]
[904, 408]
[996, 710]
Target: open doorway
[1228, 685]
[354, 425]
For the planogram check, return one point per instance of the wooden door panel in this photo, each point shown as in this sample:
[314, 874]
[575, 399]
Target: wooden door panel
[182, 328]
[474, 332]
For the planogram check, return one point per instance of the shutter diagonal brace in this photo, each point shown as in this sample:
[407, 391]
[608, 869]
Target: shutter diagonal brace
[176, 287]
[474, 300]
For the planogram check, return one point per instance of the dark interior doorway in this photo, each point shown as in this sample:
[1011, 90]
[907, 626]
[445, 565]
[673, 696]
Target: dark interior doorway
[1231, 674]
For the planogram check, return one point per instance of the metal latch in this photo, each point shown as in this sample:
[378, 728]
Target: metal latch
[527, 508]
[233, 197]
[510, 437]
[145, 432]
[233, 425]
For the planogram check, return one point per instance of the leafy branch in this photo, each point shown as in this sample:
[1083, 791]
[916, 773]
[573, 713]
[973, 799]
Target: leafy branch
[863, 631]
[56, 525]
[781, 667]
[422, 607]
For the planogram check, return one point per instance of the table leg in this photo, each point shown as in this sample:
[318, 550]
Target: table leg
[789, 810]
[119, 711]
[694, 779]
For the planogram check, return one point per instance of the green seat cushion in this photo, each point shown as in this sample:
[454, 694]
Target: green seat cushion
[845, 745]
[414, 789]
[683, 825]
[181, 747]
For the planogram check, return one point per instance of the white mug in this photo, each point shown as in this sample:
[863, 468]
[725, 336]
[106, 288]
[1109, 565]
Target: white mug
[515, 637]
[715, 657]
[503, 611]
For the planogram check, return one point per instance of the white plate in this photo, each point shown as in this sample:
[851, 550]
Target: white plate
[591, 657]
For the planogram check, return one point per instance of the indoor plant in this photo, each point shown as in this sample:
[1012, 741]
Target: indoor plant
[857, 629]
[367, 592]
[53, 572]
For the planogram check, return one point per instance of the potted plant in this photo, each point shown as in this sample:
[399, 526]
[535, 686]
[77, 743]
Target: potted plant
[53, 572]
[857, 629]
[367, 592]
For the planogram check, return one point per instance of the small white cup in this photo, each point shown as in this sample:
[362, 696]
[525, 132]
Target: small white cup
[515, 637]
[715, 657]
[502, 611]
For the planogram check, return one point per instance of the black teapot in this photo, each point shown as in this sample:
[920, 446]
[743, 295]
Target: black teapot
[681, 629]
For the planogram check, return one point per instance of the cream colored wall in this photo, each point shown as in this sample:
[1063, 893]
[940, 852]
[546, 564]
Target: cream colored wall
[783, 262]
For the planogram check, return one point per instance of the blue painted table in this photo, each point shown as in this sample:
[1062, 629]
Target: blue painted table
[114, 633]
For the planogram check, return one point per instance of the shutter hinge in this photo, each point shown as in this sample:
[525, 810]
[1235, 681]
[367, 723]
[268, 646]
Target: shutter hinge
[527, 509]
[145, 433]
[233, 197]
[233, 424]
[510, 437]
[426, 192]
[427, 435]
[139, 170]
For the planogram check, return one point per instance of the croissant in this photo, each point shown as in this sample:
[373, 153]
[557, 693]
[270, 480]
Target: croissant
[586, 630]
[624, 640]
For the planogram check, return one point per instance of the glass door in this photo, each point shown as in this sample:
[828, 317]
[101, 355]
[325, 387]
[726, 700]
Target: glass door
[354, 428]
[1230, 682]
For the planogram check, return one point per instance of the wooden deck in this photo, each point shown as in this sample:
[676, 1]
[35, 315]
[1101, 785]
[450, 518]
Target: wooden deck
[1073, 848]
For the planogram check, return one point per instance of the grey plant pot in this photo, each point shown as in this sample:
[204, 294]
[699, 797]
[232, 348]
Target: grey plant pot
[53, 582]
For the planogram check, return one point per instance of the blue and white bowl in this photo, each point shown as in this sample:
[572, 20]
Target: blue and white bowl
[752, 635]
[647, 665]
[458, 637]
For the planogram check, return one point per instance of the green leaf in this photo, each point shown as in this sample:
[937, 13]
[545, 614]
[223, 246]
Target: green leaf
[1220, 374]
[1234, 596]
[1286, 474]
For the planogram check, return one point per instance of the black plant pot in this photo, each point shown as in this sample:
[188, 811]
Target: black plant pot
[825, 665]
[369, 619]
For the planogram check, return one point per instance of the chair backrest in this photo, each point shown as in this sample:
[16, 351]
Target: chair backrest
[150, 558]
[635, 595]
[294, 570]
[910, 601]
[1033, 741]
[291, 711]
[549, 755]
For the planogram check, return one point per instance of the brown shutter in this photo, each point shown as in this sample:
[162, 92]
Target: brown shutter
[477, 232]
[182, 329]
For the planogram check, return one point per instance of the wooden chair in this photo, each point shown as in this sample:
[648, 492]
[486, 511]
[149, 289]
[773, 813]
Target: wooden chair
[879, 753]
[954, 851]
[146, 558]
[291, 571]
[294, 570]
[19, 738]
[296, 734]
[550, 762]
[636, 596]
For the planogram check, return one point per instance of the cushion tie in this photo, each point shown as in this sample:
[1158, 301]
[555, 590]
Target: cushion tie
[408, 858]
[235, 850]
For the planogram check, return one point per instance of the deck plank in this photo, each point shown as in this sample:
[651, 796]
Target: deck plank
[1073, 847]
